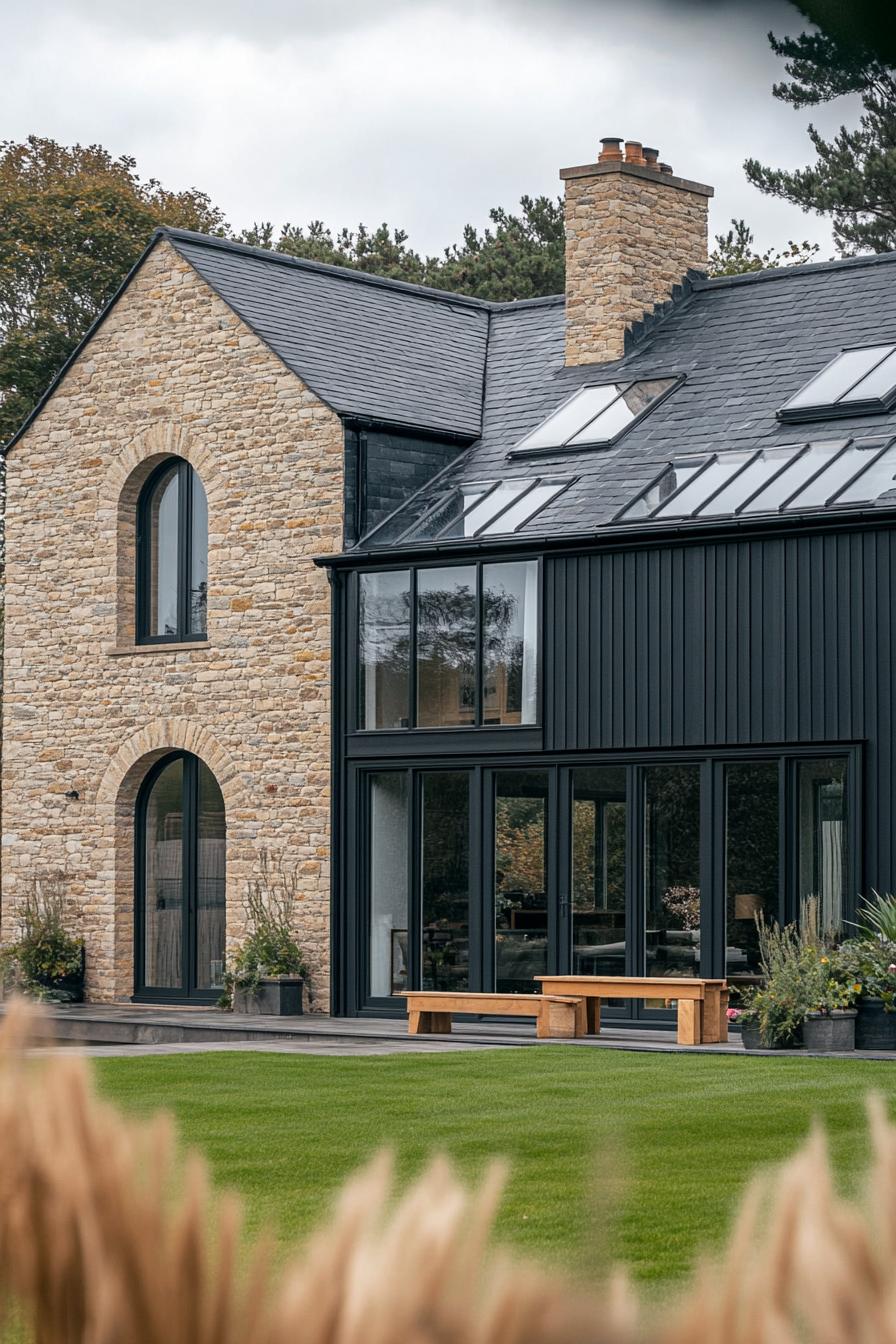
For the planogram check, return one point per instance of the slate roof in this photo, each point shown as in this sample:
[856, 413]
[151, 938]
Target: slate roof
[369, 348]
[745, 344]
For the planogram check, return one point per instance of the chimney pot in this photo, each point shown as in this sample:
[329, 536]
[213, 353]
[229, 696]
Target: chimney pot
[665, 167]
[650, 157]
[610, 151]
[633, 152]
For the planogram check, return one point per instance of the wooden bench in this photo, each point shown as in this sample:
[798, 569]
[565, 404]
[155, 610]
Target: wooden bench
[558, 1016]
[702, 1004]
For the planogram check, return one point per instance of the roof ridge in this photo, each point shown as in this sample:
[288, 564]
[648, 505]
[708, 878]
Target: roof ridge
[326, 268]
[785, 272]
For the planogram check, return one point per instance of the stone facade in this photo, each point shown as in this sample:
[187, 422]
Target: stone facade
[171, 371]
[632, 233]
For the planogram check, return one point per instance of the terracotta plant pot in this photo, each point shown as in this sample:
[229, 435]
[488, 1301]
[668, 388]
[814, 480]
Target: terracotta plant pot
[827, 1032]
[276, 996]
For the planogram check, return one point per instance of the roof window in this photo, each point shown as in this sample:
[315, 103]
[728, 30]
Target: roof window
[481, 509]
[768, 480]
[596, 416]
[858, 382]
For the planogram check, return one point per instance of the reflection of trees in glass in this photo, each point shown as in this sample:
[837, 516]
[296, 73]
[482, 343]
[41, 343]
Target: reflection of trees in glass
[199, 604]
[673, 830]
[520, 844]
[503, 645]
[598, 845]
[385, 629]
[445, 871]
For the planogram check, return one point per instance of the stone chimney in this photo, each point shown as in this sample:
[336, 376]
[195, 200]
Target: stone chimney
[633, 230]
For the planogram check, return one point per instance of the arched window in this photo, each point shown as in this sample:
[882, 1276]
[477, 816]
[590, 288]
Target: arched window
[172, 556]
[180, 882]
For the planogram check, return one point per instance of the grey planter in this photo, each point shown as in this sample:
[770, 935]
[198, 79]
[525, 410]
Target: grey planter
[750, 1038]
[875, 1028]
[834, 1032]
[277, 996]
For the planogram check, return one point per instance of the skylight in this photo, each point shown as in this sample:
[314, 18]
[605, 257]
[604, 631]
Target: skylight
[485, 508]
[595, 416]
[768, 480]
[857, 382]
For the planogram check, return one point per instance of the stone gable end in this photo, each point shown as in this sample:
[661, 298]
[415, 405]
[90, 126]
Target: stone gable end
[171, 370]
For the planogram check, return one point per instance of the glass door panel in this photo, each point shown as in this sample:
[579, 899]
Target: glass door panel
[388, 860]
[598, 898]
[521, 903]
[752, 863]
[822, 839]
[672, 870]
[163, 880]
[445, 880]
[210, 883]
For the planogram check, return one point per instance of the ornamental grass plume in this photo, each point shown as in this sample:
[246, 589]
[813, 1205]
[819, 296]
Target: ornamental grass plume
[108, 1236]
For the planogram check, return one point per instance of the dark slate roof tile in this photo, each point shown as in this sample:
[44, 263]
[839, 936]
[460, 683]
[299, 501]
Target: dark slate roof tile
[371, 349]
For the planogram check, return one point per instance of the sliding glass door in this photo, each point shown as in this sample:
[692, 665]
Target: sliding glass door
[483, 876]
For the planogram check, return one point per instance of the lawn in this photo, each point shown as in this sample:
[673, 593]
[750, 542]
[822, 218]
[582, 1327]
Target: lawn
[635, 1157]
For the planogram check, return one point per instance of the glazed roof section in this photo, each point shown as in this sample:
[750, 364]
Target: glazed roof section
[744, 345]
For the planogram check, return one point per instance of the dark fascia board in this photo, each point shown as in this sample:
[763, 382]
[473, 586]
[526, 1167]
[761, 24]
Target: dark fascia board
[367, 423]
[633, 537]
[82, 344]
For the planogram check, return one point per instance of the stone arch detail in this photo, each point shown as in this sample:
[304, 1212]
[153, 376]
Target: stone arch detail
[157, 738]
[118, 506]
[165, 439]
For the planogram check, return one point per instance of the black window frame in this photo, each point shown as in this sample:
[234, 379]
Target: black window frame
[838, 409]
[478, 726]
[186, 475]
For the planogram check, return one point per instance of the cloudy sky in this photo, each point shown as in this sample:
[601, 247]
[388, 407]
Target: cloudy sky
[420, 112]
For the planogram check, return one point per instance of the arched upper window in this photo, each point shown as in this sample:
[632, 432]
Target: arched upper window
[172, 556]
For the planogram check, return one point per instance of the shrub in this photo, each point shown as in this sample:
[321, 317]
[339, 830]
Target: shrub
[270, 946]
[799, 979]
[867, 966]
[45, 953]
[877, 917]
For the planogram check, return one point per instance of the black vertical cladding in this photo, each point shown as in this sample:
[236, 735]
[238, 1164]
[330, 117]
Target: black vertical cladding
[770, 640]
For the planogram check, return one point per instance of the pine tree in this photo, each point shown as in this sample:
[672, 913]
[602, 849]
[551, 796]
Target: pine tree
[854, 177]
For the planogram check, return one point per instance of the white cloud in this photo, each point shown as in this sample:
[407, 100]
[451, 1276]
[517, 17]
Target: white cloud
[423, 114]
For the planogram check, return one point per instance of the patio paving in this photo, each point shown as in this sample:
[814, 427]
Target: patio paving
[140, 1029]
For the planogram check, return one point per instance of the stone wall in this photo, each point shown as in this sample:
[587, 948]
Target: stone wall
[632, 233]
[172, 370]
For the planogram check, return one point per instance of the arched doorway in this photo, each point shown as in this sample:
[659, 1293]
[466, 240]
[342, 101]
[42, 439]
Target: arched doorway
[179, 882]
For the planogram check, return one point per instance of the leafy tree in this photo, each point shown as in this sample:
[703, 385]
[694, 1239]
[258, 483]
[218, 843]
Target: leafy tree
[854, 176]
[734, 254]
[381, 251]
[72, 223]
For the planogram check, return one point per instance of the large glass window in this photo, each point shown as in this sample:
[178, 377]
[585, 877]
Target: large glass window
[672, 869]
[385, 648]
[445, 880]
[388, 883]
[598, 870]
[446, 646]
[472, 634]
[521, 898]
[510, 643]
[752, 862]
[163, 903]
[172, 556]
[822, 840]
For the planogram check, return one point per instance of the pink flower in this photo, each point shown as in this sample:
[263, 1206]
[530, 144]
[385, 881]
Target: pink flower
[732, 1014]
[891, 969]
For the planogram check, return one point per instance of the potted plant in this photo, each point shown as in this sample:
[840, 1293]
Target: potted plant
[745, 1019]
[831, 1024]
[793, 977]
[869, 966]
[268, 973]
[46, 960]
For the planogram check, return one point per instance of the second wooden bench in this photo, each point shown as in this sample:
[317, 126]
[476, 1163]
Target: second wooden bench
[556, 1015]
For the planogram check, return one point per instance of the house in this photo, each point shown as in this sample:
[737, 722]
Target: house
[546, 636]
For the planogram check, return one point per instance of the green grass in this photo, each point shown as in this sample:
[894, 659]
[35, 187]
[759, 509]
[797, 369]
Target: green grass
[619, 1156]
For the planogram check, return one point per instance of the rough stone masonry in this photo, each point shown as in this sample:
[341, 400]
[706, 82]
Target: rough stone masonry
[171, 370]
